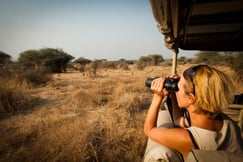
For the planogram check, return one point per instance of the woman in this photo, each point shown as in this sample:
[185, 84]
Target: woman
[198, 122]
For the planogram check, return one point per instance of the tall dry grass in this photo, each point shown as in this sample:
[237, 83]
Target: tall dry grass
[94, 119]
[14, 97]
[81, 118]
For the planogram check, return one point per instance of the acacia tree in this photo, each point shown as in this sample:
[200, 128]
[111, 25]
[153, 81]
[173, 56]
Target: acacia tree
[4, 58]
[235, 61]
[82, 62]
[153, 59]
[55, 60]
[5, 68]
[209, 57]
[30, 59]
[156, 59]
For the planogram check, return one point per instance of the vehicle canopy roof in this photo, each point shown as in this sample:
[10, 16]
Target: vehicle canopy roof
[207, 25]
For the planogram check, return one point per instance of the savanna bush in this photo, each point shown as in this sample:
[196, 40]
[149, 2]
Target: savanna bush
[140, 65]
[108, 65]
[14, 97]
[235, 61]
[124, 66]
[34, 77]
[100, 120]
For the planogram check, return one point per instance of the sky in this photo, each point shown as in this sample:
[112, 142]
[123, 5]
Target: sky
[94, 29]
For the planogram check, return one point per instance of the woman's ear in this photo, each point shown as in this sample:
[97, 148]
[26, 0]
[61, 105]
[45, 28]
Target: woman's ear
[191, 98]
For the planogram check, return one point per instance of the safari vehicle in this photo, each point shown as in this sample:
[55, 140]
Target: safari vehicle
[205, 25]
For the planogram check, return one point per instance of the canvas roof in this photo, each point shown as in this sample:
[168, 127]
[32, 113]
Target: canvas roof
[209, 25]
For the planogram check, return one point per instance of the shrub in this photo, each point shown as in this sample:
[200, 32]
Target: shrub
[209, 57]
[140, 65]
[91, 68]
[82, 61]
[4, 58]
[34, 77]
[154, 59]
[235, 61]
[108, 65]
[124, 66]
[14, 97]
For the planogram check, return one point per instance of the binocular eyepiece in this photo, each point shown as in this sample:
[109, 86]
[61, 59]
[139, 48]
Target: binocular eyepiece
[170, 84]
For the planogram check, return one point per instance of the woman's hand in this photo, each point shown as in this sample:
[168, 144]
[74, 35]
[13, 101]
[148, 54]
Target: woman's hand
[157, 85]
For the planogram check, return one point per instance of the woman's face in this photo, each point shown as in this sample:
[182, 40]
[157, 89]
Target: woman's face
[181, 95]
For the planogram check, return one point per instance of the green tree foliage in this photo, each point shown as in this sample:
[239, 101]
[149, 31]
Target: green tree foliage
[4, 58]
[235, 61]
[55, 60]
[145, 59]
[209, 57]
[182, 59]
[156, 59]
[30, 58]
[6, 65]
[82, 61]
[153, 59]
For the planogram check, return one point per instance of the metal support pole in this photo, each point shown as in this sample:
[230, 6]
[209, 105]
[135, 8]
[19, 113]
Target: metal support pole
[175, 14]
[174, 62]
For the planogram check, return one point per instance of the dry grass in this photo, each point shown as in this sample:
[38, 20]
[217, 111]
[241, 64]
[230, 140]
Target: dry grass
[14, 97]
[81, 118]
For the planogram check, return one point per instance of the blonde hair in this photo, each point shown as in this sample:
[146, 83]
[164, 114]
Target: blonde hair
[213, 89]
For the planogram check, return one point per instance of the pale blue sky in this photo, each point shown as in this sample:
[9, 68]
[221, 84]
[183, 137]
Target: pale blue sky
[94, 29]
